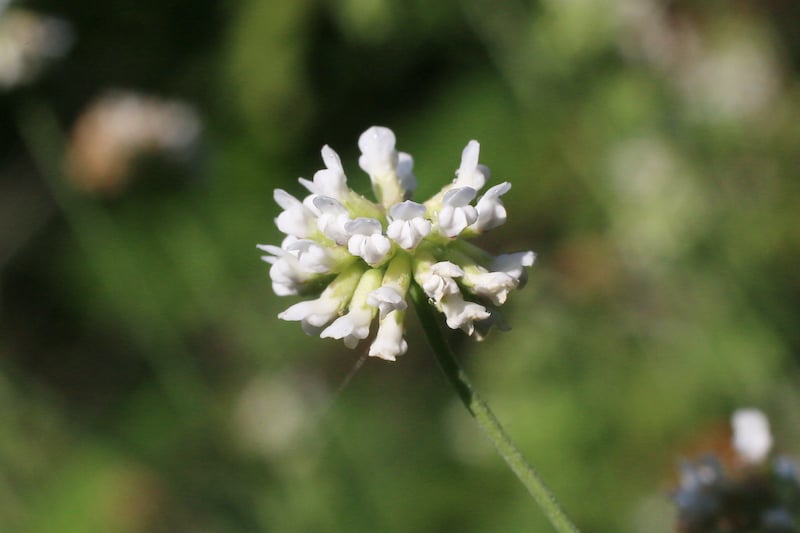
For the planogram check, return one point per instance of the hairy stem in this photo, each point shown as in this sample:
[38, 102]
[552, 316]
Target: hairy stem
[484, 416]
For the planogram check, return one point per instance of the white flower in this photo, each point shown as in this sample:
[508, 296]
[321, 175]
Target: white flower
[287, 275]
[513, 264]
[354, 326]
[461, 313]
[331, 180]
[378, 156]
[389, 341]
[438, 281]
[351, 328]
[367, 241]
[470, 173]
[314, 314]
[287, 278]
[456, 213]
[375, 250]
[405, 172]
[390, 171]
[407, 225]
[494, 286]
[311, 256]
[386, 299]
[28, 43]
[752, 439]
[332, 219]
[491, 211]
[295, 219]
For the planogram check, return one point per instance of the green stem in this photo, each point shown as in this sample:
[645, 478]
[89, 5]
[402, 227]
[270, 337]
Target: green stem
[485, 417]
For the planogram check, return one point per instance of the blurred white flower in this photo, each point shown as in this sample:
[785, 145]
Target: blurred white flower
[659, 206]
[28, 42]
[121, 126]
[725, 68]
[752, 439]
[272, 415]
[373, 251]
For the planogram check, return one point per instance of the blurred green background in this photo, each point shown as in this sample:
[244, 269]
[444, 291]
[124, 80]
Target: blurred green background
[146, 383]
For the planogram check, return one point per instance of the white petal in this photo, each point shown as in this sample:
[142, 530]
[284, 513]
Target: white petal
[459, 197]
[286, 273]
[405, 172]
[752, 439]
[491, 212]
[470, 174]
[389, 341]
[296, 218]
[331, 180]
[271, 249]
[455, 214]
[372, 248]
[331, 159]
[378, 156]
[386, 299]
[438, 282]
[332, 219]
[407, 227]
[363, 226]
[408, 234]
[461, 313]
[351, 328]
[366, 240]
[407, 210]
[494, 286]
[311, 255]
[513, 264]
[316, 313]
[283, 289]
[284, 199]
[448, 269]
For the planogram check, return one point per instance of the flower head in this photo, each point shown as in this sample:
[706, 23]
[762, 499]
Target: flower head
[366, 254]
[752, 439]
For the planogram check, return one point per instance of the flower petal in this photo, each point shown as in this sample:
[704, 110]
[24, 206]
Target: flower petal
[470, 173]
[491, 211]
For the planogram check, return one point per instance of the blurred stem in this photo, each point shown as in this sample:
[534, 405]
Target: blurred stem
[484, 416]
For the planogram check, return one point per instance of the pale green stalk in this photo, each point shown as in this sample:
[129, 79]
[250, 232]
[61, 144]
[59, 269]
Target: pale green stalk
[484, 416]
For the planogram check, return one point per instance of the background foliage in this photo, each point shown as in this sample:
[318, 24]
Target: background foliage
[147, 385]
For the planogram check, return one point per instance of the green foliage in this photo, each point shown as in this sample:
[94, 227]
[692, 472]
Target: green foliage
[147, 384]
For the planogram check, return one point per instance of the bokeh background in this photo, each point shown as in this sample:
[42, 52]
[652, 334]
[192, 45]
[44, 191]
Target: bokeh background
[145, 381]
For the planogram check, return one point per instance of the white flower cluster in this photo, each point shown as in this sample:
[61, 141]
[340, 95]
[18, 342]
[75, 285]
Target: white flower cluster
[364, 255]
[752, 438]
